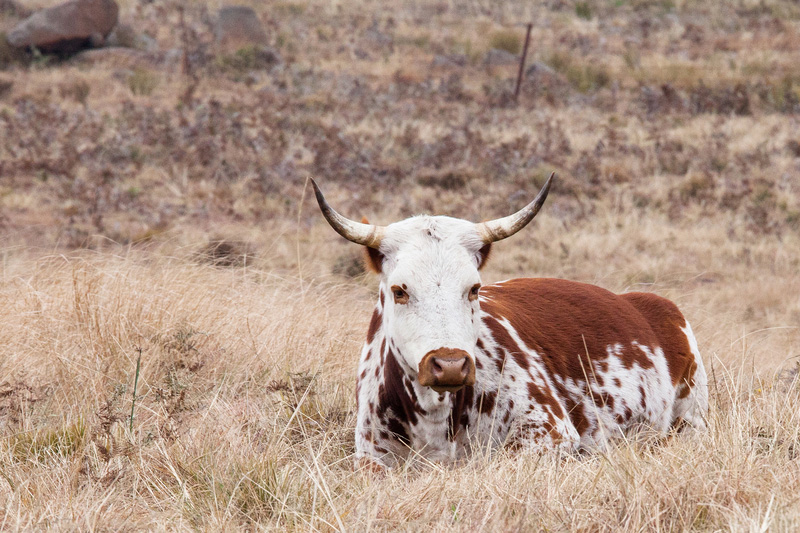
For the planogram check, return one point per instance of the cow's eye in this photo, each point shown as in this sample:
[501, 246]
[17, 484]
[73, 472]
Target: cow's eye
[400, 295]
[473, 292]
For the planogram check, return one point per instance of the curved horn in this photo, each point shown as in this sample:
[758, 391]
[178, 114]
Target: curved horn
[499, 229]
[369, 235]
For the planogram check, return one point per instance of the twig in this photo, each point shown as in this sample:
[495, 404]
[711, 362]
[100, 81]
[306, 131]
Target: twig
[187, 69]
[522, 59]
[135, 385]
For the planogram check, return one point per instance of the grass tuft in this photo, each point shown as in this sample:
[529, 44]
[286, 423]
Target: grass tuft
[142, 82]
[507, 40]
[583, 75]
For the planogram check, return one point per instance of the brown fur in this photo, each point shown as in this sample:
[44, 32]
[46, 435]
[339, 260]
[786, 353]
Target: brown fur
[571, 324]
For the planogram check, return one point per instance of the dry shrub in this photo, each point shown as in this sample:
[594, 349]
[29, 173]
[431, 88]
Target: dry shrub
[350, 265]
[446, 179]
[793, 147]
[616, 173]
[507, 40]
[664, 99]
[736, 99]
[5, 87]
[142, 82]
[584, 75]
[782, 95]
[583, 10]
[78, 91]
[226, 253]
[697, 187]
[8, 54]
[247, 59]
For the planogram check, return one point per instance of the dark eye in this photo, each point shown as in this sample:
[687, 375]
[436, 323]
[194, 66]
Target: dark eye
[473, 292]
[400, 295]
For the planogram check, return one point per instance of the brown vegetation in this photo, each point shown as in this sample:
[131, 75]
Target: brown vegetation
[154, 203]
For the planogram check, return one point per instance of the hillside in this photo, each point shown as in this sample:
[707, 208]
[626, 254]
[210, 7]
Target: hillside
[154, 204]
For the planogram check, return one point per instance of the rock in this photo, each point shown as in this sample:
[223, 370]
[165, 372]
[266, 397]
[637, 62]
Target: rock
[239, 26]
[496, 57]
[453, 60]
[68, 27]
[12, 8]
[542, 78]
[539, 69]
[146, 43]
[122, 35]
[125, 36]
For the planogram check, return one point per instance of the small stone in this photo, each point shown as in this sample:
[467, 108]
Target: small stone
[239, 26]
[146, 43]
[496, 57]
[453, 60]
[539, 69]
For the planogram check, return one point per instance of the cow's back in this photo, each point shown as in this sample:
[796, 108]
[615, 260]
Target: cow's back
[612, 359]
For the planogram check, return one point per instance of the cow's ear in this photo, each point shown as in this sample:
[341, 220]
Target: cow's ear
[374, 258]
[483, 254]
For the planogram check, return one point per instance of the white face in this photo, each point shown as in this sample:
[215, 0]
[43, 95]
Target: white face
[430, 279]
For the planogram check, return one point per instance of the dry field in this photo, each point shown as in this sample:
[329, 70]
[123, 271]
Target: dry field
[158, 212]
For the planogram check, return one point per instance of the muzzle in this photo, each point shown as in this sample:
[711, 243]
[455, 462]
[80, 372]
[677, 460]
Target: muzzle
[446, 370]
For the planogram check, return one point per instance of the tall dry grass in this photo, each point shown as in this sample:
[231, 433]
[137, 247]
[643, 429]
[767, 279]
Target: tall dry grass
[244, 414]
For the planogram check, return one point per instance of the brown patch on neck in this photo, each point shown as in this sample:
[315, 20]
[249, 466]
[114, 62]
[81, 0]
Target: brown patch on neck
[374, 325]
[462, 403]
[396, 408]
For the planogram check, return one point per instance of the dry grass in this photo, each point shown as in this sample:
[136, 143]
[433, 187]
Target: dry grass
[245, 407]
[144, 212]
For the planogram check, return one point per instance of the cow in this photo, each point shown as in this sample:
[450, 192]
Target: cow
[450, 366]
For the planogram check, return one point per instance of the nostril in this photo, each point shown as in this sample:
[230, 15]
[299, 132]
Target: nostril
[436, 367]
[465, 367]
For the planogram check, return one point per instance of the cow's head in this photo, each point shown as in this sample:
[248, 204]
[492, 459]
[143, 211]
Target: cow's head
[429, 281]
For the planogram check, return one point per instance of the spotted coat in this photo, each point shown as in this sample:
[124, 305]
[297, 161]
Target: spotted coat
[559, 365]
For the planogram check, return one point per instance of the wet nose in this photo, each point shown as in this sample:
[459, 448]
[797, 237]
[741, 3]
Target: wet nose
[449, 371]
[446, 369]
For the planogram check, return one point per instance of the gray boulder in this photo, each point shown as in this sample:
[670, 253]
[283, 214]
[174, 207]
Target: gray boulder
[239, 26]
[68, 27]
[497, 58]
